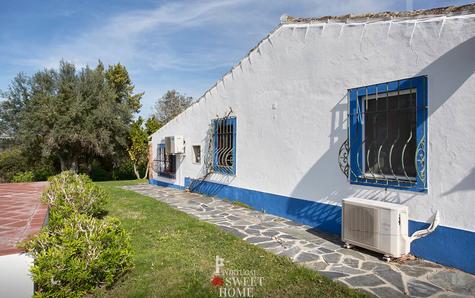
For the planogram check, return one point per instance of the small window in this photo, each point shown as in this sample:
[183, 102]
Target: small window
[224, 159]
[197, 154]
[388, 135]
[166, 163]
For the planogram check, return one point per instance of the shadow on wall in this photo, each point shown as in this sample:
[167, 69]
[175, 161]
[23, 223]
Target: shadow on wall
[467, 183]
[449, 72]
[326, 182]
[380, 194]
[206, 173]
[218, 182]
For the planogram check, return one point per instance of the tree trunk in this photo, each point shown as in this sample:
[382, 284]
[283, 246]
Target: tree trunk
[74, 166]
[62, 163]
[89, 166]
[146, 173]
[136, 171]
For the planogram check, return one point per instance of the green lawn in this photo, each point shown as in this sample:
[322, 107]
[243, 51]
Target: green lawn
[175, 256]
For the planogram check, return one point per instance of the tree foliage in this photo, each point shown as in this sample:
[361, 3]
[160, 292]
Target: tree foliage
[12, 161]
[15, 163]
[170, 105]
[138, 149]
[118, 77]
[10, 108]
[72, 115]
[138, 146]
[152, 125]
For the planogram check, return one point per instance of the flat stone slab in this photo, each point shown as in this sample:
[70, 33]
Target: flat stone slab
[233, 231]
[254, 232]
[387, 292]
[352, 253]
[258, 239]
[391, 277]
[351, 262]
[456, 281]
[290, 252]
[369, 280]
[357, 268]
[414, 271]
[306, 257]
[319, 265]
[269, 244]
[375, 266]
[347, 270]
[332, 257]
[422, 289]
[270, 233]
[333, 274]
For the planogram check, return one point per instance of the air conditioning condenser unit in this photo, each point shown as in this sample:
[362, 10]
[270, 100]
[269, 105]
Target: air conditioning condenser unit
[175, 145]
[377, 226]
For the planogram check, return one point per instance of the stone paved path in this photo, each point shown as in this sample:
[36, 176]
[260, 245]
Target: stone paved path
[323, 253]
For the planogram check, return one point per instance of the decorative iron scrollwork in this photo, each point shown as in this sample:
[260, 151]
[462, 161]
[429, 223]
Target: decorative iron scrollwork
[156, 166]
[343, 155]
[421, 160]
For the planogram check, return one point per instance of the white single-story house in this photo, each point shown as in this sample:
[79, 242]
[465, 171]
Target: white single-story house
[378, 106]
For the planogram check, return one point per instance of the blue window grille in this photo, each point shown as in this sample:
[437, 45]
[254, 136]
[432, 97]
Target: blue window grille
[387, 135]
[224, 151]
[166, 163]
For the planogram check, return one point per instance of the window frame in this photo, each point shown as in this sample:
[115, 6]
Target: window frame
[356, 132]
[194, 154]
[216, 167]
[162, 163]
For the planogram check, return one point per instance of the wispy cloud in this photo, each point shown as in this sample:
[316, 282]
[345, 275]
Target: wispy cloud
[141, 35]
[185, 44]
[153, 36]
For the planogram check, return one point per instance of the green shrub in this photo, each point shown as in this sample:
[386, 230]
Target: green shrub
[82, 254]
[12, 161]
[14, 164]
[43, 171]
[77, 251]
[23, 177]
[125, 171]
[98, 173]
[70, 193]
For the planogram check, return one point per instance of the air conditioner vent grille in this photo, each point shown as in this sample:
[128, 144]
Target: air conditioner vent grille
[361, 224]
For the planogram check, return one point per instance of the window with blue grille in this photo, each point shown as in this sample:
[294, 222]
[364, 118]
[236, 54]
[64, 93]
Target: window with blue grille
[224, 143]
[387, 135]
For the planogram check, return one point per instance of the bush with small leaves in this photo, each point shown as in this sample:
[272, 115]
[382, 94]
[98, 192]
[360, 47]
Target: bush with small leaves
[80, 255]
[27, 176]
[69, 193]
[12, 161]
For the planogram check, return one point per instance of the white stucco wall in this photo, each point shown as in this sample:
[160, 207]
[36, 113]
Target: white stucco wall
[289, 97]
[15, 278]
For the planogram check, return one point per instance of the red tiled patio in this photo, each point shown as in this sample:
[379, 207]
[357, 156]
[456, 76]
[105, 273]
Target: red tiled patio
[21, 213]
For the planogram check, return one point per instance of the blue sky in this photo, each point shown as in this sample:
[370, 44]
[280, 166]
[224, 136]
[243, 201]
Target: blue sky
[182, 45]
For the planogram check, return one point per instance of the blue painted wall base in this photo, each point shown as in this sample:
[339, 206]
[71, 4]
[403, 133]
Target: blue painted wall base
[322, 216]
[447, 246]
[165, 184]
